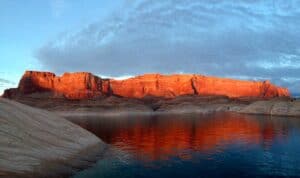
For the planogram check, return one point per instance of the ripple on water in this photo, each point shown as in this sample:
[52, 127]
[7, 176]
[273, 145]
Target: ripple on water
[214, 145]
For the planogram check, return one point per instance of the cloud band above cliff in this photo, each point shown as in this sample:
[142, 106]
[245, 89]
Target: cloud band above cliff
[4, 84]
[251, 39]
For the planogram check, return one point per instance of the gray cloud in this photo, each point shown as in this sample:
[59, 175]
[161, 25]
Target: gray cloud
[4, 84]
[257, 39]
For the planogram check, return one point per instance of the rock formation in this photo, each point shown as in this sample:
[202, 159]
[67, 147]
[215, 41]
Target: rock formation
[38, 143]
[273, 107]
[71, 85]
[84, 85]
[176, 85]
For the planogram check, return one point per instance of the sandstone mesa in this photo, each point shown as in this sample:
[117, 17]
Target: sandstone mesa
[84, 85]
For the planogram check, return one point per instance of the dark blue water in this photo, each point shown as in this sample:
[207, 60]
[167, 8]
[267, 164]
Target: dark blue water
[216, 145]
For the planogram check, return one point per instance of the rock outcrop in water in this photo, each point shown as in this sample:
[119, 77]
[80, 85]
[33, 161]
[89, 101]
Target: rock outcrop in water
[38, 143]
[84, 85]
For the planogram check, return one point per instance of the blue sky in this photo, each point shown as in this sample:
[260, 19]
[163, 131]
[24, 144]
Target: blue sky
[257, 40]
[26, 26]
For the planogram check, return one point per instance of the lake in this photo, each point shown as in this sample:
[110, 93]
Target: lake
[213, 145]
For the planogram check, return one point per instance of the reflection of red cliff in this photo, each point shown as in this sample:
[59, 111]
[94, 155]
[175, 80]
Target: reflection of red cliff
[158, 143]
[169, 137]
[84, 85]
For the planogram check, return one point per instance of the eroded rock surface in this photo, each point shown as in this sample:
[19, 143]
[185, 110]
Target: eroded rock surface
[274, 107]
[38, 143]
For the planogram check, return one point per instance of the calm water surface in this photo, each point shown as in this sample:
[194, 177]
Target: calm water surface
[216, 145]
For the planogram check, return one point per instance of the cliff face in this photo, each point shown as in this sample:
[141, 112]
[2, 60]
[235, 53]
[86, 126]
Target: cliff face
[72, 85]
[84, 85]
[153, 85]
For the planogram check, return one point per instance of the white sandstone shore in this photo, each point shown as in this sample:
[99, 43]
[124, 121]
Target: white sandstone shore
[38, 143]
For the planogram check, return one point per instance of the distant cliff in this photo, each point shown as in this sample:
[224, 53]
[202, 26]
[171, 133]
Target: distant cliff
[83, 85]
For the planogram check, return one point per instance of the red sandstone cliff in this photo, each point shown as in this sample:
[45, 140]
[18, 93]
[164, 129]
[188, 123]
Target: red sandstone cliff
[84, 85]
[71, 85]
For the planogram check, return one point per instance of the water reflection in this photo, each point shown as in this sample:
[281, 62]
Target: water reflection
[160, 138]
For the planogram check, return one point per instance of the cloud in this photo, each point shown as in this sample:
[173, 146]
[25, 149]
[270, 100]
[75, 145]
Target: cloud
[256, 39]
[4, 84]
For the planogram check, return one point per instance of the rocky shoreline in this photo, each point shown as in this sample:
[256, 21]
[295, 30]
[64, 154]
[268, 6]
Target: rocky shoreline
[274, 108]
[38, 143]
[118, 106]
[44, 144]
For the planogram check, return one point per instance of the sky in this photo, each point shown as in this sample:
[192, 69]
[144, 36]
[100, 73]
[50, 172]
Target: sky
[246, 39]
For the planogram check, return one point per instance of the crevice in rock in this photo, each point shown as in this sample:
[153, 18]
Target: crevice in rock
[194, 87]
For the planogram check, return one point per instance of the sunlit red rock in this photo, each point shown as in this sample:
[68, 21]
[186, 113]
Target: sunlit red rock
[236, 88]
[83, 85]
[72, 85]
[154, 85]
